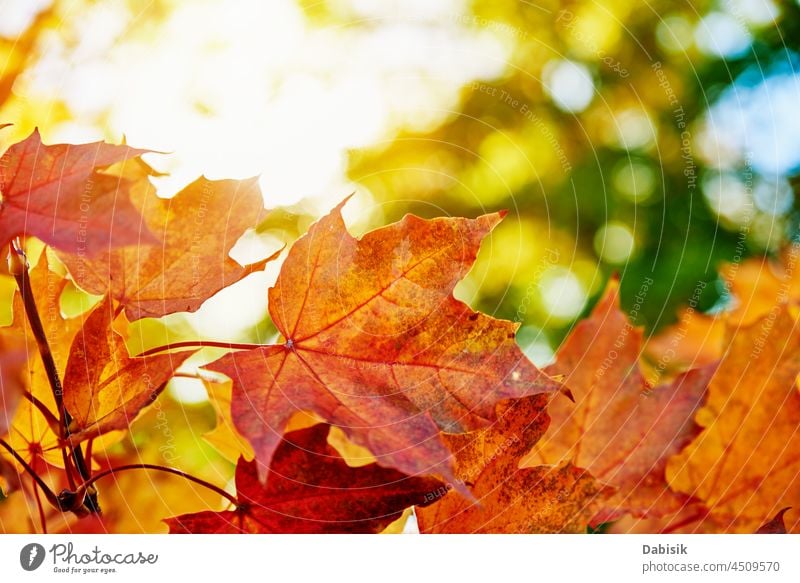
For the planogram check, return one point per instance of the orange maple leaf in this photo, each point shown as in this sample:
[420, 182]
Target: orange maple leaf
[12, 364]
[620, 429]
[745, 465]
[756, 286]
[199, 226]
[105, 388]
[510, 499]
[376, 343]
[58, 194]
[775, 526]
[33, 431]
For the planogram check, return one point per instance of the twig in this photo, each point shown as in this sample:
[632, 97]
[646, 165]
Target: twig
[201, 344]
[18, 266]
[111, 471]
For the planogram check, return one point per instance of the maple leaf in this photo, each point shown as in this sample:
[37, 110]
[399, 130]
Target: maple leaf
[199, 226]
[138, 501]
[12, 365]
[620, 430]
[695, 340]
[744, 465]
[510, 499]
[35, 428]
[377, 344]
[46, 287]
[756, 286]
[17, 514]
[224, 437]
[57, 193]
[310, 489]
[776, 525]
[104, 388]
[12, 369]
[33, 432]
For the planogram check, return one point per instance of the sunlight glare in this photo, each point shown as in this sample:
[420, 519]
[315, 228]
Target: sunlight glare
[242, 88]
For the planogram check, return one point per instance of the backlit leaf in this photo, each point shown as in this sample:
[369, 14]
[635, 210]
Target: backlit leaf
[310, 489]
[105, 388]
[199, 227]
[620, 429]
[510, 499]
[58, 194]
[376, 344]
[744, 465]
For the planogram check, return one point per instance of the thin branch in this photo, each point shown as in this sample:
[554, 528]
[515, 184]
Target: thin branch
[18, 267]
[111, 471]
[202, 344]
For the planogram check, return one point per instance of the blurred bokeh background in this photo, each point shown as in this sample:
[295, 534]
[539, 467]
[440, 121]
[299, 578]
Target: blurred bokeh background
[650, 139]
[655, 140]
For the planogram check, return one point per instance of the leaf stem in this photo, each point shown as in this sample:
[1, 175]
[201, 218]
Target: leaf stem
[155, 467]
[201, 344]
[18, 266]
